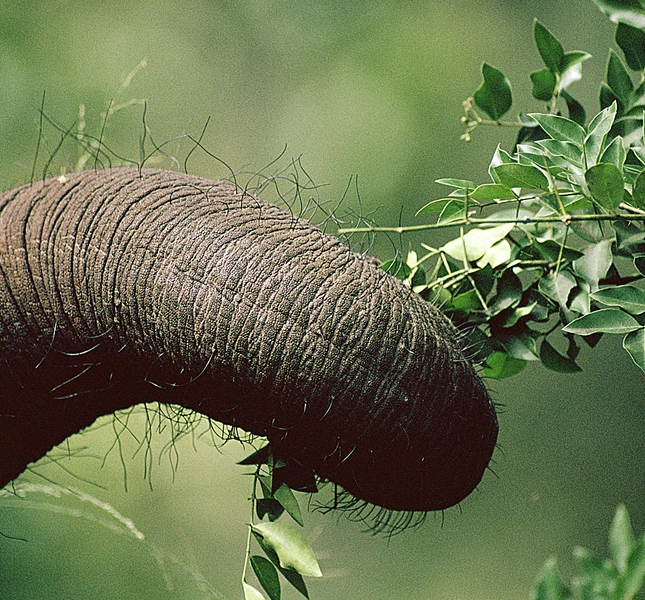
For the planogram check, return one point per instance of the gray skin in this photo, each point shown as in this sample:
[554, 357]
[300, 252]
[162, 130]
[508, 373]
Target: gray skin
[124, 286]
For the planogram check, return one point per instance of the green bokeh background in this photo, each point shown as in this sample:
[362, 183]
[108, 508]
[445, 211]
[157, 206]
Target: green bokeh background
[371, 89]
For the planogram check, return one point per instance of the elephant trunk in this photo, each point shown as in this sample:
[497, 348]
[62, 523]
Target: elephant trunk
[125, 286]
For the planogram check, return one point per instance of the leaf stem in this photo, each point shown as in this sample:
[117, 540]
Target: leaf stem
[248, 537]
[563, 211]
[629, 208]
[484, 221]
[472, 120]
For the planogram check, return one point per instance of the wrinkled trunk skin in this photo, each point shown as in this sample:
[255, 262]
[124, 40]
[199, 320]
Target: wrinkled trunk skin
[123, 286]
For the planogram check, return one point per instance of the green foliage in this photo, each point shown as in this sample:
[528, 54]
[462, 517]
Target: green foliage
[287, 551]
[618, 577]
[550, 251]
[494, 96]
[629, 12]
[289, 545]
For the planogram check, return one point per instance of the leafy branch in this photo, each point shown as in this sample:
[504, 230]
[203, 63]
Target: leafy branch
[287, 551]
[551, 249]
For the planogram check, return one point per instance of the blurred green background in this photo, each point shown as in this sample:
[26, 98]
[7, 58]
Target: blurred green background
[368, 89]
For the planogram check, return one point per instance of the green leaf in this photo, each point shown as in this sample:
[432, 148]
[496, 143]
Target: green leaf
[555, 361]
[632, 42]
[496, 255]
[597, 132]
[285, 497]
[500, 157]
[634, 343]
[621, 538]
[557, 286]
[549, 585]
[607, 97]
[265, 483]
[630, 12]
[267, 575]
[614, 153]
[576, 202]
[576, 110]
[455, 209]
[635, 573]
[463, 184]
[549, 47]
[476, 242]
[588, 563]
[532, 155]
[459, 193]
[518, 314]
[295, 579]
[631, 171]
[550, 250]
[595, 263]
[250, 593]
[522, 176]
[560, 128]
[573, 72]
[494, 96]
[598, 577]
[467, 301]
[567, 150]
[630, 239]
[639, 263]
[605, 184]
[602, 121]
[260, 457]
[543, 84]
[522, 346]
[396, 268]
[618, 79]
[627, 297]
[573, 59]
[509, 292]
[580, 302]
[292, 548]
[639, 153]
[501, 366]
[492, 191]
[484, 280]
[270, 507]
[418, 277]
[638, 191]
[630, 126]
[435, 206]
[606, 320]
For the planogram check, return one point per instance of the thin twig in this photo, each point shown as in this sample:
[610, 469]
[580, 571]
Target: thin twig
[484, 221]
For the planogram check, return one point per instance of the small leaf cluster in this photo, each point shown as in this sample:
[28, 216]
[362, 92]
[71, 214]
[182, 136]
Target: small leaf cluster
[286, 551]
[550, 250]
[495, 98]
[619, 577]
